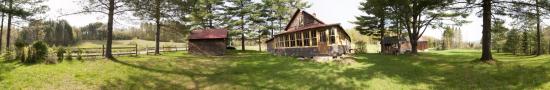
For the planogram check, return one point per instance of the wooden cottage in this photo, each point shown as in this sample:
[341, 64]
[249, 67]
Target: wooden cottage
[208, 42]
[307, 36]
[390, 45]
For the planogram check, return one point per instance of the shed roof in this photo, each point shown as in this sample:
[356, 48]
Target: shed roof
[209, 34]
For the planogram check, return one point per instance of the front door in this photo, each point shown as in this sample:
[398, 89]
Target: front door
[323, 44]
[323, 48]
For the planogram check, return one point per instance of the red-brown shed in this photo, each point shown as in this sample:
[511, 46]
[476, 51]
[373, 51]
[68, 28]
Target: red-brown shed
[208, 42]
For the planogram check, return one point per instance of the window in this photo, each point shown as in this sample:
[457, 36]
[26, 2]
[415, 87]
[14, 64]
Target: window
[299, 39]
[287, 40]
[313, 38]
[292, 40]
[332, 36]
[306, 38]
[279, 41]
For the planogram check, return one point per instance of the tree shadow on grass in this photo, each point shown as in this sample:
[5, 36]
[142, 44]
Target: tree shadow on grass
[257, 70]
[444, 71]
[237, 70]
[146, 81]
[142, 82]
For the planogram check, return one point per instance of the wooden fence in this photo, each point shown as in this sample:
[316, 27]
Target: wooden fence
[118, 51]
[164, 49]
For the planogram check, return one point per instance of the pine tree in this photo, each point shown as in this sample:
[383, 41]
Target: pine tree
[373, 24]
[499, 33]
[206, 13]
[512, 41]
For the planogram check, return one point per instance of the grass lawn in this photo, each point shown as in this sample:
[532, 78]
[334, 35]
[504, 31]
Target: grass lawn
[450, 69]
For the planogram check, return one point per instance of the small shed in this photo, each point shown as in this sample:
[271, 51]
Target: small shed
[208, 42]
[390, 45]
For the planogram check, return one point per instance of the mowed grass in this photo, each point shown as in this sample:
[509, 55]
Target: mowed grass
[451, 69]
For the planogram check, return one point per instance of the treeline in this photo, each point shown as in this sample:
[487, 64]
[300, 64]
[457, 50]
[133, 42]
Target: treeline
[521, 41]
[413, 17]
[61, 33]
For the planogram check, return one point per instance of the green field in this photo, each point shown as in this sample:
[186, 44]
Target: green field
[452, 69]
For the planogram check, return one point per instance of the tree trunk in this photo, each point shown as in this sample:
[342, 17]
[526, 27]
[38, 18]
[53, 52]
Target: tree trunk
[242, 39]
[398, 34]
[108, 51]
[157, 37]
[272, 29]
[8, 32]
[210, 20]
[486, 37]
[381, 26]
[414, 44]
[260, 43]
[413, 37]
[1, 31]
[538, 52]
[242, 27]
[525, 43]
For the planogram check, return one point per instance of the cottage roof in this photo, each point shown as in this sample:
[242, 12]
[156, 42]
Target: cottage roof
[296, 14]
[209, 34]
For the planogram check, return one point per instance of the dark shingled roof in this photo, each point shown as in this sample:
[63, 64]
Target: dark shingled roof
[208, 34]
[296, 14]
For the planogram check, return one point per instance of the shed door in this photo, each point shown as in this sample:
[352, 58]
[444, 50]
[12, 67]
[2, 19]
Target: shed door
[323, 44]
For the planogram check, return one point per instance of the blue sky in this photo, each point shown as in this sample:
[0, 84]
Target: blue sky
[330, 11]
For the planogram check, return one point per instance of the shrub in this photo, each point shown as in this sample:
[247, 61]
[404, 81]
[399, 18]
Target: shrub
[51, 57]
[360, 47]
[20, 50]
[60, 54]
[69, 54]
[37, 53]
[79, 54]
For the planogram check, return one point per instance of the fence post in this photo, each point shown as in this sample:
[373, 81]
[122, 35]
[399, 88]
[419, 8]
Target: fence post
[137, 50]
[103, 50]
[146, 50]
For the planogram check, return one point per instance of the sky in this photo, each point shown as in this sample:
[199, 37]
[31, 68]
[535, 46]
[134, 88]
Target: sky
[330, 11]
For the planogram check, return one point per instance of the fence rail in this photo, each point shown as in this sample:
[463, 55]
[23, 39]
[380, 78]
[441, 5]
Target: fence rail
[118, 51]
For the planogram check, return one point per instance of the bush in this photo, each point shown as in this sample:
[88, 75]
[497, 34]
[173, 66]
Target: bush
[60, 54]
[69, 54]
[79, 54]
[360, 47]
[20, 50]
[37, 53]
[52, 57]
